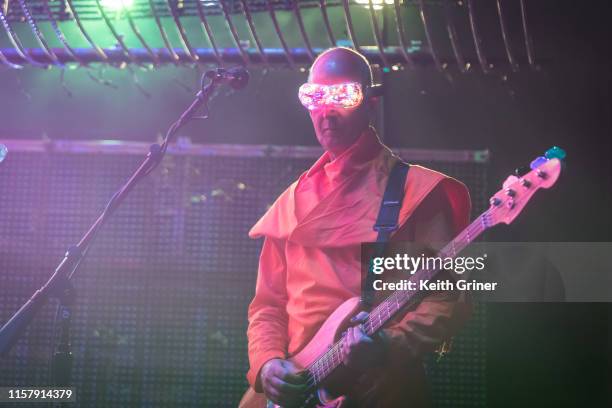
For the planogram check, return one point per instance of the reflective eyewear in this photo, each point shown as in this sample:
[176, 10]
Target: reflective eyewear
[314, 96]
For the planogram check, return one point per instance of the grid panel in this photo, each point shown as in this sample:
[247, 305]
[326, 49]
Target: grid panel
[162, 297]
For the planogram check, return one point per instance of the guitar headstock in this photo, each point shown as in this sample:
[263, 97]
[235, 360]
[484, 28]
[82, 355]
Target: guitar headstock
[508, 202]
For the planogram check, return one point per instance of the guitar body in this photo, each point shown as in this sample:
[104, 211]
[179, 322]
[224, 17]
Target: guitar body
[326, 336]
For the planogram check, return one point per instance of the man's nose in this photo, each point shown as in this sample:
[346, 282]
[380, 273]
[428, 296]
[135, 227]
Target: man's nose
[329, 111]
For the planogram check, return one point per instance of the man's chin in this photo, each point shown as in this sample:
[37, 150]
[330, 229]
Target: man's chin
[331, 136]
[329, 143]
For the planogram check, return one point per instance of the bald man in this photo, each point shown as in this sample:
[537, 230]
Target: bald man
[310, 260]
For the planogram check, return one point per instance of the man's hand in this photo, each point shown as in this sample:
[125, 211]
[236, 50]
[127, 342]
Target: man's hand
[359, 350]
[282, 382]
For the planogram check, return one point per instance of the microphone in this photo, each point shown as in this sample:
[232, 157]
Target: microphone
[237, 77]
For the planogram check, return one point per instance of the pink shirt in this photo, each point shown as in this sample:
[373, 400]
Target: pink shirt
[310, 261]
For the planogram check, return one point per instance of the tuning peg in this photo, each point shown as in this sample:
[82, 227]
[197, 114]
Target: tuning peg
[538, 162]
[510, 180]
[521, 171]
[555, 153]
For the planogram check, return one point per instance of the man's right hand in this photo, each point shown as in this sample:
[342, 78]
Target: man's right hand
[282, 382]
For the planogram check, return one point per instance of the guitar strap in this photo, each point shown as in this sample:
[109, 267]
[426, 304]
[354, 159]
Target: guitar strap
[386, 223]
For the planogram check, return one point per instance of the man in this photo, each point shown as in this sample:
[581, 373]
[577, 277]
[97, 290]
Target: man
[310, 260]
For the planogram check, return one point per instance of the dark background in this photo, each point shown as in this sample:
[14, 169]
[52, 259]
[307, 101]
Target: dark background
[539, 354]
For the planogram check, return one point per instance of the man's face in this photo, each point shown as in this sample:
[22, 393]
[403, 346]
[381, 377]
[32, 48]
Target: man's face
[337, 128]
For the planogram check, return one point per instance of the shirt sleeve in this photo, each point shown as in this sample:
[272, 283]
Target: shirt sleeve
[267, 329]
[441, 314]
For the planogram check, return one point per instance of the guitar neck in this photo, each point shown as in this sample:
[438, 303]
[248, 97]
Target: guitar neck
[382, 313]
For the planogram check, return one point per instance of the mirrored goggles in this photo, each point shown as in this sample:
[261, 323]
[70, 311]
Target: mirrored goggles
[314, 96]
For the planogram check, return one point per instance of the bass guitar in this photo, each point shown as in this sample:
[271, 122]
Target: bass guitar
[321, 359]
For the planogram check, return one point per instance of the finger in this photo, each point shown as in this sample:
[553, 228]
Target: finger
[271, 392]
[360, 317]
[360, 333]
[350, 337]
[276, 370]
[346, 349]
[293, 375]
[355, 338]
[346, 352]
[283, 393]
[352, 346]
[281, 400]
[273, 396]
[287, 388]
[363, 337]
[294, 379]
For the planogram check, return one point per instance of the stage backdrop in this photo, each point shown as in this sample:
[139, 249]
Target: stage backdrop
[162, 297]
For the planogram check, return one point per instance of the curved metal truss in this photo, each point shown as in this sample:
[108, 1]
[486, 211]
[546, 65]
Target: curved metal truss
[444, 33]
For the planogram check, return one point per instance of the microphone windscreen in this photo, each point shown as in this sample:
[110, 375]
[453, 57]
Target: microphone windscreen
[241, 78]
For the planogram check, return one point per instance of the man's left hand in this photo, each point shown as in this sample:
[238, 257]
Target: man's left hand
[359, 350]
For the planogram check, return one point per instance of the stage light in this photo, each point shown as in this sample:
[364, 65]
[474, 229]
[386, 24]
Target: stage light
[378, 4]
[117, 5]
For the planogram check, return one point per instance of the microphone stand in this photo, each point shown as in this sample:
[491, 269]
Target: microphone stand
[60, 285]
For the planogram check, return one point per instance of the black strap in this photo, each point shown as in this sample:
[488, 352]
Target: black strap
[386, 222]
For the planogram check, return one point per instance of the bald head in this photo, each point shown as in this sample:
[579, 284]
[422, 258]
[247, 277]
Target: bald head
[338, 65]
[338, 128]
